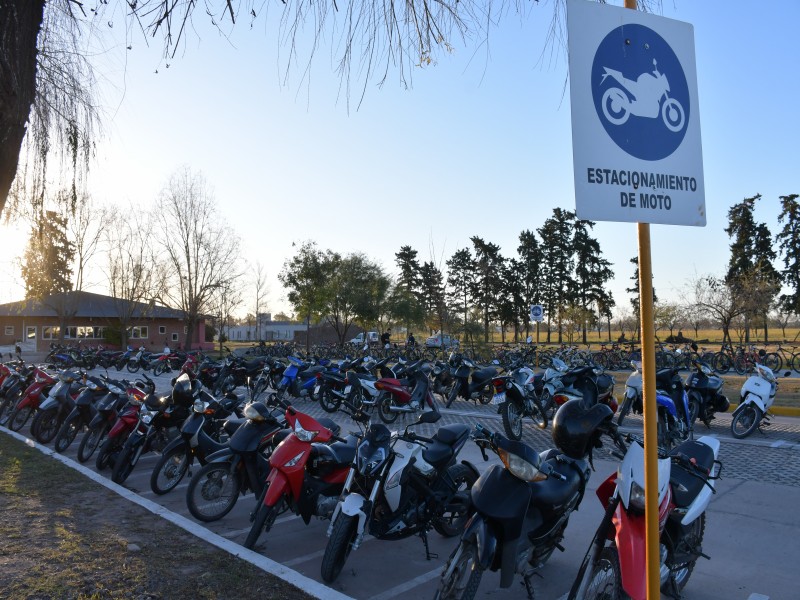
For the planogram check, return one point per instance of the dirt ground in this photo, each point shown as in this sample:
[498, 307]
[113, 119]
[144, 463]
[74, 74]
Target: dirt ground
[63, 536]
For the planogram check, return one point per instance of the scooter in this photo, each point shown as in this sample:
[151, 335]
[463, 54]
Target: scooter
[471, 382]
[756, 398]
[704, 388]
[82, 414]
[31, 398]
[54, 409]
[405, 396]
[306, 474]
[615, 562]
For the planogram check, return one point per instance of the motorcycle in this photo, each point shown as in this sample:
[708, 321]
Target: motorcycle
[15, 381]
[401, 484]
[405, 396]
[306, 474]
[672, 403]
[516, 399]
[615, 563]
[127, 420]
[550, 384]
[522, 508]
[53, 410]
[643, 99]
[31, 398]
[140, 360]
[470, 381]
[704, 388]
[202, 434]
[83, 412]
[157, 416]
[756, 398]
[240, 466]
[589, 383]
[108, 409]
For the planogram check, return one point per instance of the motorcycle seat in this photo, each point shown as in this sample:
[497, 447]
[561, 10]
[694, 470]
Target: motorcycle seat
[326, 458]
[484, 374]
[686, 485]
[309, 373]
[441, 450]
[231, 425]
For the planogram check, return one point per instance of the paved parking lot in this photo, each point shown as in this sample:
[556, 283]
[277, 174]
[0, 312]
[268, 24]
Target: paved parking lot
[751, 531]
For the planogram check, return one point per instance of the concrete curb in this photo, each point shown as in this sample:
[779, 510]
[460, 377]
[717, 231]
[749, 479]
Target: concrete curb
[299, 580]
[784, 411]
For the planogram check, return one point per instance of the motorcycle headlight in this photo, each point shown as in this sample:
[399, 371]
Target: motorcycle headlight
[636, 500]
[520, 468]
[303, 434]
[370, 459]
[199, 406]
[147, 417]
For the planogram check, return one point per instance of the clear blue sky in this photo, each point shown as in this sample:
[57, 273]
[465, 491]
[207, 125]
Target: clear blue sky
[480, 144]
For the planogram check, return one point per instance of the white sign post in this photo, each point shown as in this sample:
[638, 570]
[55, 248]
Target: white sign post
[635, 119]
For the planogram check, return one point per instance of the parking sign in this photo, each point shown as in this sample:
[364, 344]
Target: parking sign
[635, 122]
[537, 312]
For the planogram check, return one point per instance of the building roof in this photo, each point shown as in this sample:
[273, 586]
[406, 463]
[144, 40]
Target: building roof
[88, 305]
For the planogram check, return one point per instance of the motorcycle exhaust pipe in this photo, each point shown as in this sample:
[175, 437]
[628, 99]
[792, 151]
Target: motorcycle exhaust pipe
[403, 409]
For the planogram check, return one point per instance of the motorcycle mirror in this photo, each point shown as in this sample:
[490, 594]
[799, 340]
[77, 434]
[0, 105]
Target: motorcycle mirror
[430, 416]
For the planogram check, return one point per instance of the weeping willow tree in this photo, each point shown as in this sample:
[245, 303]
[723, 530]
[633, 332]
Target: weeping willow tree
[47, 108]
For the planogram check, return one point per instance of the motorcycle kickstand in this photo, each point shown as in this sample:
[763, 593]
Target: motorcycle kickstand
[526, 580]
[428, 554]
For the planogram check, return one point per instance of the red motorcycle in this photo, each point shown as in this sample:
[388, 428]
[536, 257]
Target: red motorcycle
[32, 397]
[306, 475]
[127, 420]
[403, 396]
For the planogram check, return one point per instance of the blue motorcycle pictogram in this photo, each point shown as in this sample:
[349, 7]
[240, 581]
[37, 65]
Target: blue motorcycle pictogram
[647, 92]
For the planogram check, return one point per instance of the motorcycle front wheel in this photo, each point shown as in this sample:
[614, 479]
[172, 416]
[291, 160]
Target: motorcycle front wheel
[68, 432]
[329, 401]
[107, 449]
[169, 470]
[89, 442]
[624, 409]
[605, 579]
[45, 425]
[124, 464]
[18, 418]
[212, 492]
[133, 366]
[452, 394]
[464, 576]
[512, 420]
[745, 422]
[263, 521]
[345, 529]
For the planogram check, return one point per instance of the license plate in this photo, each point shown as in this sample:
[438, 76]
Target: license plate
[316, 389]
[347, 389]
[499, 398]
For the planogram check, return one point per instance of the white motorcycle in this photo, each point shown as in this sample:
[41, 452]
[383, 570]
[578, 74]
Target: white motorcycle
[551, 384]
[614, 565]
[757, 396]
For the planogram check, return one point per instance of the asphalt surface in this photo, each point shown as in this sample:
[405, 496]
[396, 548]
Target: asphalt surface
[751, 529]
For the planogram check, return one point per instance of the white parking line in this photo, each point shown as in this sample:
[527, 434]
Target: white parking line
[757, 597]
[408, 585]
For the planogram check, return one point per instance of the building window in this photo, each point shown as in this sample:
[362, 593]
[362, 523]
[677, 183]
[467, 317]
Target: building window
[50, 333]
[139, 333]
[9, 330]
[174, 337]
[30, 333]
[162, 329]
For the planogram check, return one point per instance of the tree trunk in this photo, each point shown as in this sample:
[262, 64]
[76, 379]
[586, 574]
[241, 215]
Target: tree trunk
[20, 21]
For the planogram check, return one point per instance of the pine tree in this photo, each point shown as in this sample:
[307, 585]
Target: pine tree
[530, 262]
[488, 283]
[557, 265]
[460, 279]
[592, 271]
[789, 245]
[46, 263]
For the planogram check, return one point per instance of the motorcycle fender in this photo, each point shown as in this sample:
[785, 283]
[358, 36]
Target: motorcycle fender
[485, 540]
[178, 442]
[631, 547]
[751, 399]
[277, 487]
[48, 403]
[223, 455]
[353, 506]
[471, 467]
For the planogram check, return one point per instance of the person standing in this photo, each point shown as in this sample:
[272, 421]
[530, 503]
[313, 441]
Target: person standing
[386, 339]
[18, 350]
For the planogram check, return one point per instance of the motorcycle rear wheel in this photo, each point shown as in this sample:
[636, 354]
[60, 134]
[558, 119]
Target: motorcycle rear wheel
[451, 522]
[745, 422]
[512, 420]
[133, 366]
[328, 400]
[605, 579]
[263, 521]
[107, 449]
[169, 470]
[345, 529]
[691, 542]
[465, 578]
[385, 403]
[159, 368]
[212, 492]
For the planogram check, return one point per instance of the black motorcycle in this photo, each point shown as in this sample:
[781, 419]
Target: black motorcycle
[470, 381]
[522, 508]
[516, 399]
[55, 408]
[82, 413]
[202, 434]
[705, 393]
